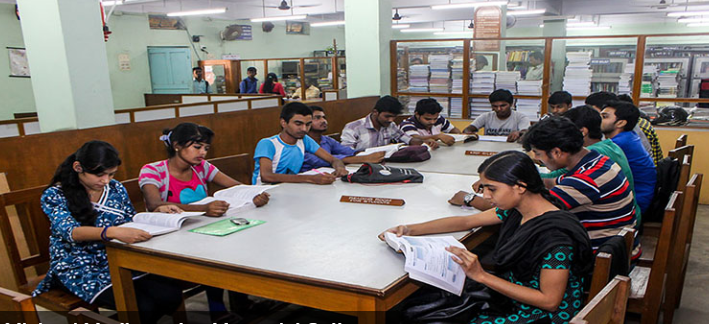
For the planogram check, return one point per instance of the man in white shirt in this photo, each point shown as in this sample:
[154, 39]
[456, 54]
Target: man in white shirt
[502, 120]
[536, 70]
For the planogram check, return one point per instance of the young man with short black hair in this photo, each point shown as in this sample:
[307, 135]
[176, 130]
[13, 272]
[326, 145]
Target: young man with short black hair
[378, 128]
[250, 83]
[619, 120]
[279, 158]
[502, 120]
[559, 103]
[594, 188]
[199, 84]
[330, 145]
[427, 123]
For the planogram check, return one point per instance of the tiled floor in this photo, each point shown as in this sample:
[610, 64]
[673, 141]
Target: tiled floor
[694, 307]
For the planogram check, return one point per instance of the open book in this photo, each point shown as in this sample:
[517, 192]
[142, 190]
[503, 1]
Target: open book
[160, 223]
[240, 198]
[387, 149]
[428, 261]
[461, 137]
[488, 138]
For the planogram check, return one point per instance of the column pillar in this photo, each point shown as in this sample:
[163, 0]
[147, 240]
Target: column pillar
[68, 64]
[367, 35]
[556, 28]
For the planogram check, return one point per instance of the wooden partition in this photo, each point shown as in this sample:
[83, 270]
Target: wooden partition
[31, 160]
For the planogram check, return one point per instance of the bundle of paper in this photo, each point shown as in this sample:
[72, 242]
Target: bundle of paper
[240, 198]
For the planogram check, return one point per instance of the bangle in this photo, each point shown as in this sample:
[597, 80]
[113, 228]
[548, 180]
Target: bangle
[104, 237]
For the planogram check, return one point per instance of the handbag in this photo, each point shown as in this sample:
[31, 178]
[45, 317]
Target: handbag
[377, 173]
[417, 153]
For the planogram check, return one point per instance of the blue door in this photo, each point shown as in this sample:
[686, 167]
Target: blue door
[170, 69]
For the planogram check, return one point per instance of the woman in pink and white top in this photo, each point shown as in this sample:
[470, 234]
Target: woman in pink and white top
[182, 178]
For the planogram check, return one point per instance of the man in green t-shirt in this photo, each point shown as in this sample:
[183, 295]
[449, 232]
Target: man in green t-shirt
[589, 122]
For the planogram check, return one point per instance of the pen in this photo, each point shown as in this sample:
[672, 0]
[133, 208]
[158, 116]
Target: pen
[318, 171]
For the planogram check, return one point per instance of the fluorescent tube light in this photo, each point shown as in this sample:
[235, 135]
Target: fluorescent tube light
[687, 13]
[421, 30]
[589, 28]
[704, 24]
[111, 3]
[197, 12]
[692, 20]
[526, 12]
[400, 26]
[278, 18]
[328, 23]
[469, 5]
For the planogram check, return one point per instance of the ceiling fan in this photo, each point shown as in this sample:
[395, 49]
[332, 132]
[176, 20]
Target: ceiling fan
[285, 6]
[396, 15]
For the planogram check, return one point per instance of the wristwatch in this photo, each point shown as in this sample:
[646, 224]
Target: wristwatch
[469, 198]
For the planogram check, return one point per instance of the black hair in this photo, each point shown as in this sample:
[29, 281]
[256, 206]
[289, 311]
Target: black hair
[553, 132]
[196, 68]
[537, 55]
[185, 134]
[625, 111]
[502, 95]
[251, 69]
[417, 59]
[95, 157]
[316, 108]
[560, 97]
[295, 108]
[516, 168]
[271, 79]
[600, 99]
[586, 116]
[428, 106]
[481, 59]
[626, 97]
[388, 104]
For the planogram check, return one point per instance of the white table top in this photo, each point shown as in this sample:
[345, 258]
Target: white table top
[309, 233]
[452, 159]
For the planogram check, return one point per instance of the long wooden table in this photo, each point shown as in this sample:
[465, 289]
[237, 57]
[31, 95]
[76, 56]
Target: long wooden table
[452, 159]
[313, 250]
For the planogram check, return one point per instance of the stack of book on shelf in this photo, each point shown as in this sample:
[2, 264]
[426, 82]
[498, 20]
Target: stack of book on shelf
[457, 75]
[507, 80]
[456, 108]
[401, 83]
[667, 83]
[650, 73]
[479, 106]
[483, 82]
[529, 108]
[578, 74]
[324, 84]
[412, 103]
[440, 73]
[445, 104]
[625, 85]
[518, 56]
[529, 88]
[418, 78]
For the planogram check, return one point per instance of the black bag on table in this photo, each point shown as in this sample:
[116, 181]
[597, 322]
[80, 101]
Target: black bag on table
[417, 153]
[377, 173]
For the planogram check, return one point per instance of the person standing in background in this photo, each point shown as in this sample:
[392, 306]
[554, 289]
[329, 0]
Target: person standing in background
[199, 84]
[250, 83]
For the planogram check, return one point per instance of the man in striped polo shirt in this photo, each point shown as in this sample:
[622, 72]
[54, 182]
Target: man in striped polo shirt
[594, 189]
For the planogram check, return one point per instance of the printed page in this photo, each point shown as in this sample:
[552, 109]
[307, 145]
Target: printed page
[489, 138]
[241, 193]
[164, 219]
[387, 149]
[152, 229]
[459, 137]
[428, 261]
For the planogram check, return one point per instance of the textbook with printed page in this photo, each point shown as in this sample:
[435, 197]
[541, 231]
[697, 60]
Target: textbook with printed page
[240, 198]
[428, 261]
[387, 149]
[160, 223]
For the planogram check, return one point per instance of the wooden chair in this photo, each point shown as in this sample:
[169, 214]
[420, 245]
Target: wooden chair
[681, 141]
[135, 194]
[647, 287]
[602, 267]
[82, 316]
[335, 136]
[17, 308]
[239, 167]
[680, 152]
[35, 226]
[679, 256]
[608, 307]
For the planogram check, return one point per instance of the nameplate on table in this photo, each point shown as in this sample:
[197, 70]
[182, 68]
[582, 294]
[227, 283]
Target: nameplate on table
[480, 153]
[372, 200]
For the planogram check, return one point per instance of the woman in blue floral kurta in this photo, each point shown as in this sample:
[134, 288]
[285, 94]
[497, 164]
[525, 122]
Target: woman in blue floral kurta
[85, 206]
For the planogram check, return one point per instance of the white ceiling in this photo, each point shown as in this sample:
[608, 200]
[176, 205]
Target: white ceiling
[418, 11]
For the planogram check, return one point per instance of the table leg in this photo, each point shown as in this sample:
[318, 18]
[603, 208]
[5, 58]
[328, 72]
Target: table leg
[124, 293]
[372, 317]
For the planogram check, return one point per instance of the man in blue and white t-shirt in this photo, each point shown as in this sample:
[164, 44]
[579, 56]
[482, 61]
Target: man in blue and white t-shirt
[279, 158]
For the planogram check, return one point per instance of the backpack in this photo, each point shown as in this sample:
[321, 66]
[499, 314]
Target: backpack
[668, 172]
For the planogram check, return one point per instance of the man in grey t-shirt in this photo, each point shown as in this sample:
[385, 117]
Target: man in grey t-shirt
[501, 121]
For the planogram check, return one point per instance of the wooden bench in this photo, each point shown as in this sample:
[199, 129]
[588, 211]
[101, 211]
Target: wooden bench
[681, 141]
[17, 308]
[239, 166]
[608, 307]
[83, 315]
[335, 136]
[647, 287]
[602, 267]
[679, 254]
[135, 194]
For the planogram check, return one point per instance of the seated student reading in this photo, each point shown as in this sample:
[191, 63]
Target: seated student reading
[85, 207]
[182, 178]
[280, 157]
[619, 120]
[594, 188]
[502, 120]
[378, 128]
[427, 123]
[344, 153]
[559, 103]
[543, 252]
